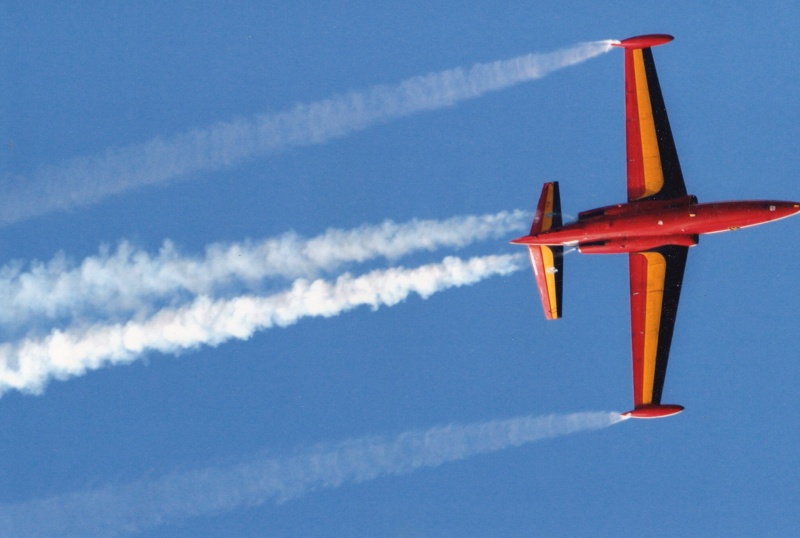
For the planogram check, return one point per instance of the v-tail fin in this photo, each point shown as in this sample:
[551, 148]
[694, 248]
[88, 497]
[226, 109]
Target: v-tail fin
[548, 261]
[548, 264]
[548, 211]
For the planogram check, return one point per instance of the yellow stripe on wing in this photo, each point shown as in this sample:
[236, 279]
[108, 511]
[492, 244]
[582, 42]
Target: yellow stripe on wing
[550, 277]
[651, 158]
[656, 271]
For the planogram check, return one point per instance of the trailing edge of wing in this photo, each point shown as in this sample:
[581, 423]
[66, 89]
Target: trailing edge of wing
[654, 171]
[656, 277]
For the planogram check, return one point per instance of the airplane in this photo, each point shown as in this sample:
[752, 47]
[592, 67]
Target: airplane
[655, 228]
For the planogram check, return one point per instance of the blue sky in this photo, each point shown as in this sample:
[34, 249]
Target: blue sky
[86, 80]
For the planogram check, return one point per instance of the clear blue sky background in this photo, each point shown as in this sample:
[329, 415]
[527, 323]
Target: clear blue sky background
[78, 78]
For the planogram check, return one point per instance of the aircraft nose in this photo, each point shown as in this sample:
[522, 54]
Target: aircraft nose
[791, 208]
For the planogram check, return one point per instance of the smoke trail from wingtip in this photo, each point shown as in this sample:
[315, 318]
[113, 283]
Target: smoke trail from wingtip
[137, 506]
[132, 282]
[29, 364]
[87, 180]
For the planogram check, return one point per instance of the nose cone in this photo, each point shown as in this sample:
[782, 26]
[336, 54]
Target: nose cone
[784, 209]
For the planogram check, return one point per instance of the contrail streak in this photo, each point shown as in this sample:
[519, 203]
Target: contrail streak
[29, 364]
[133, 507]
[87, 180]
[132, 282]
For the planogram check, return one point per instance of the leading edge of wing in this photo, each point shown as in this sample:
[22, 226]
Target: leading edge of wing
[656, 277]
[654, 171]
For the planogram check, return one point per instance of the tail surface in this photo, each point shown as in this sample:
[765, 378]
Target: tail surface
[548, 211]
[548, 261]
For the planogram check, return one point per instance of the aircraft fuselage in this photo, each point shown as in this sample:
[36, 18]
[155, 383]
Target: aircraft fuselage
[637, 226]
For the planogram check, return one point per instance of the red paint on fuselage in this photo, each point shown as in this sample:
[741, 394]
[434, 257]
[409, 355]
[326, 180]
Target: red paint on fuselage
[661, 218]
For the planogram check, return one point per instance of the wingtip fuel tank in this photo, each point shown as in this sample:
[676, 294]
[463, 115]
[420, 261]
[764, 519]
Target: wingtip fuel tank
[654, 411]
[644, 41]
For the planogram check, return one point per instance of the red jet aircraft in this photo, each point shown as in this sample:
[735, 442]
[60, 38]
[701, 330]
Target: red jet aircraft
[655, 228]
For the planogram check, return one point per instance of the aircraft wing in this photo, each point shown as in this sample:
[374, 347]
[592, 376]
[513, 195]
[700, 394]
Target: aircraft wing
[654, 172]
[656, 278]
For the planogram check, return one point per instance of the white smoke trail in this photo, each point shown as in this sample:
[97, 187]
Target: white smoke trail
[87, 180]
[143, 504]
[29, 364]
[131, 281]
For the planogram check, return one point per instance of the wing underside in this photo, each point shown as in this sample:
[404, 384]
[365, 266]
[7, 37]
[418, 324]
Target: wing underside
[654, 172]
[656, 277]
